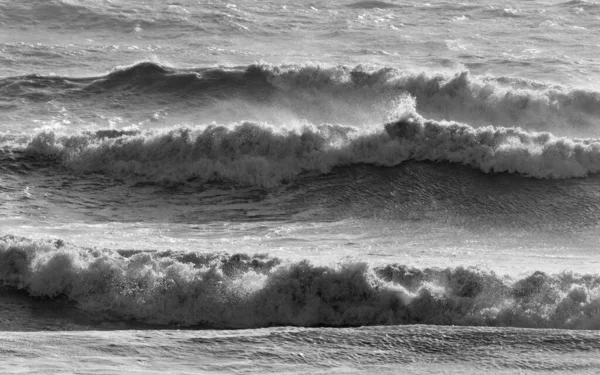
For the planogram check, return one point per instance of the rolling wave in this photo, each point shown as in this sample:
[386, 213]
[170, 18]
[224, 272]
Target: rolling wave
[235, 291]
[491, 149]
[351, 104]
[255, 154]
[320, 94]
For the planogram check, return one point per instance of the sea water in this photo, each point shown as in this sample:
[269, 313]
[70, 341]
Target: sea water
[299, 187]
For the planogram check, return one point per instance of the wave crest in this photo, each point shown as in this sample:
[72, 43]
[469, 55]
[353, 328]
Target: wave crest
[339, 94]
[491, 149]
[260, 155]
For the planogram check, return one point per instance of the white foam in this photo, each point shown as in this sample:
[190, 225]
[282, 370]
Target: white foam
[260, 155]
[255, 291]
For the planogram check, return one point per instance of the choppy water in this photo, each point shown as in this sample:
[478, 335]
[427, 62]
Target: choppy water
[325, 164]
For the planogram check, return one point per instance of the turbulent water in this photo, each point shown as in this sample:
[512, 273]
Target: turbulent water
[299, 170]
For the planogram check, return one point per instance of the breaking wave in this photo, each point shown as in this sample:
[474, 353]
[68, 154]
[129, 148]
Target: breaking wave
[440, 118]
[254, 154]
[324, 94]
[243, 291]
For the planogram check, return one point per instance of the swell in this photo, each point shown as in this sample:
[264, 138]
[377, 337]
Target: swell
[66, 14]
[372, 4]
[244, 291]
[256, 154]
[143, 78]
[426, 192]
[336, 94]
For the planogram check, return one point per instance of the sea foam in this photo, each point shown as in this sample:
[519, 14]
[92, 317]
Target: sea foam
[244, 291]
[257, 154]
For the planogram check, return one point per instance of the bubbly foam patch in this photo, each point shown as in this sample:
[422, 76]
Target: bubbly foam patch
[241, 290]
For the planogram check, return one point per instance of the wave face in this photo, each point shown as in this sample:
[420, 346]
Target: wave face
[351, 96]
[244, 291]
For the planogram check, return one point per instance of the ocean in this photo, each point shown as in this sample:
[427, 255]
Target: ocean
[306, 187]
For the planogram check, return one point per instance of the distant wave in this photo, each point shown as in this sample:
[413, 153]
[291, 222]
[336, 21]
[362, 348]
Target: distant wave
[243, 291]
[321, 94]
[92, 15]
[372, 4]
[585, 4]
[255, 154]
[67, 13]
[493, 149]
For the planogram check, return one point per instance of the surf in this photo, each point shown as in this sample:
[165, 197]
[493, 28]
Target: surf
[258, 154]
[250, 291]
